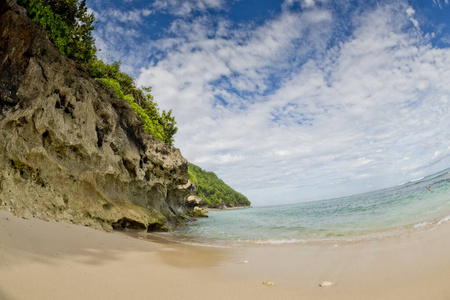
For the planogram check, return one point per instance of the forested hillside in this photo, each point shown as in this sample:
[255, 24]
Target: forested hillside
[215, 192]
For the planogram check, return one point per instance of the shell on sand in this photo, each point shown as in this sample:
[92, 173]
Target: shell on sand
[326, 284]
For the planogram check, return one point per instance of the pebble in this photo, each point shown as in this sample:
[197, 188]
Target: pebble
[268, 283]
[326, 284]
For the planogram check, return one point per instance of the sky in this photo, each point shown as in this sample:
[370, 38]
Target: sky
[295, 100]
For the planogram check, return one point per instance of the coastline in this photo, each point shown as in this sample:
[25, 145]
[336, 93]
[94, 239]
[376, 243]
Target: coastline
[42, 260]
[227, 208]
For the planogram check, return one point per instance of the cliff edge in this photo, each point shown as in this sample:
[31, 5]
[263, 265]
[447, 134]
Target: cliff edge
[69, 150]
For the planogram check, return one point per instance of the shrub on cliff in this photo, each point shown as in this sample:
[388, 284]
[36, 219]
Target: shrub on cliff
[161, 125]
[214, 190]
[151, 125]
[68, 25]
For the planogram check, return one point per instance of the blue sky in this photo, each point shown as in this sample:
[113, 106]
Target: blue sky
[294, 100]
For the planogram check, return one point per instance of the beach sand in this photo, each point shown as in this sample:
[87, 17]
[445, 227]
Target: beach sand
[42, 260]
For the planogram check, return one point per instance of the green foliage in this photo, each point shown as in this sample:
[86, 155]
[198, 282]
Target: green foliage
[166, 119]
[161, 125]
[98, 69]
[67, 24]
[198, 214]
[214, 190]
[152, 123]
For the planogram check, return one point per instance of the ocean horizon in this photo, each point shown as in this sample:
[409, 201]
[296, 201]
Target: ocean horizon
[417, 205]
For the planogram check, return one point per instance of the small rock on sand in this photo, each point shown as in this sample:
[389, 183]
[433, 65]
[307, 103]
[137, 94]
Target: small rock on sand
[326, 284]
[268, 283]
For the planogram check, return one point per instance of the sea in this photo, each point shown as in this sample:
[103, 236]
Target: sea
[419, 205]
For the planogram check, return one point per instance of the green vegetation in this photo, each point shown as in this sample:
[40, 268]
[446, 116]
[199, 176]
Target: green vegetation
[215, 192]
[198, 214]
[67, 24]
[70, 27]
[148, 112]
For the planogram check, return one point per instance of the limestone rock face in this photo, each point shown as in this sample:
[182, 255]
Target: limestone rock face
[69, 150]
[194, 201]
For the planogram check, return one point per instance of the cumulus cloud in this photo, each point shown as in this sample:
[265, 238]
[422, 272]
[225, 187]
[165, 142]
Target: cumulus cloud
[119, 36]
[135, 16]
[186, 7]
[410, 12]
[304, 4]
[204, 58]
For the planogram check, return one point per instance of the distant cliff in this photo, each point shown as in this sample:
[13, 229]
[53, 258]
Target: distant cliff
[70, 150]
[214, 191]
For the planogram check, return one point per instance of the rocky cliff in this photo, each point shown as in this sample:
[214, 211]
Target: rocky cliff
[69, 150]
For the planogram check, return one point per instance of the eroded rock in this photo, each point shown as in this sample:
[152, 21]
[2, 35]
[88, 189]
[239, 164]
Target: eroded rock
[70, 151]
[194, 200]
[198, 212]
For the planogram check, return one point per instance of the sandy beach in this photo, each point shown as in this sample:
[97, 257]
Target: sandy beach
[42, 260]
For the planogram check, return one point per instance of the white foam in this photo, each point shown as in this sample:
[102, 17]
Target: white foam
[443, 220]
[274, 241]
[423, 224]
[431, 225]
[414, 180]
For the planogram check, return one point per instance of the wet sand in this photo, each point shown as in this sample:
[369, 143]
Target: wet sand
[41, 260]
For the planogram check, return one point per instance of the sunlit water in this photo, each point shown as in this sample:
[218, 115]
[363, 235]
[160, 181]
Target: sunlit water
[395, 211]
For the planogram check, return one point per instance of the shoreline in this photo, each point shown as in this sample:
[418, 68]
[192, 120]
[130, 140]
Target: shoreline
[43, 260]
[227, 208]
[328, 237]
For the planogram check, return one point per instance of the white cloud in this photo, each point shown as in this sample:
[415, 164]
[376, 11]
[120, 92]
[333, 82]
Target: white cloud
[194, 59]
[410, 12]
[446, 39]
[130, 17]
[304, 4]
[440, 3]
[119, 36]
[186, 7]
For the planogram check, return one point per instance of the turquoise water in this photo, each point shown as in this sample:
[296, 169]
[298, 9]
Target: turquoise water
[403, 209]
